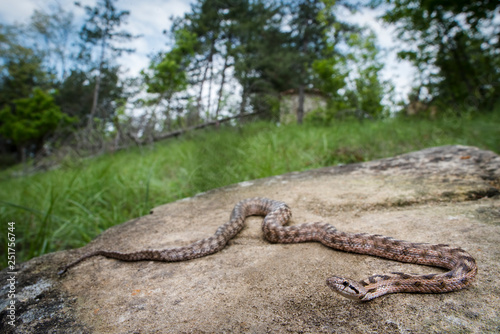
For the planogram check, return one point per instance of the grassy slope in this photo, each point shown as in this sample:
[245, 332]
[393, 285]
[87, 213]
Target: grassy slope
[68, 207]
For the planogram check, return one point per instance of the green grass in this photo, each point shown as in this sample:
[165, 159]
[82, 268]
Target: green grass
[68, 207]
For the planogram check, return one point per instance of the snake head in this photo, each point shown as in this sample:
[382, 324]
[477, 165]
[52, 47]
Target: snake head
[346, 287]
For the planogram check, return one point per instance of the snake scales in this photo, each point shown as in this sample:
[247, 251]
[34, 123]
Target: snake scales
[462, 267]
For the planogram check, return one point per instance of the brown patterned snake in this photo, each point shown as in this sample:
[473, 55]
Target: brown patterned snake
[462, 267]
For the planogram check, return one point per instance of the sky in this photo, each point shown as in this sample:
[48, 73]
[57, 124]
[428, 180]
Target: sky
[400, 72]
[150, 17]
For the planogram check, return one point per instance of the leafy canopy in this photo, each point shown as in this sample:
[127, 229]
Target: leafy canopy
[32, 118]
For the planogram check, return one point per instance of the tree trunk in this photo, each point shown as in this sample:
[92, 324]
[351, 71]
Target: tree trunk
[200, 96]
[95, 98]
[219, 99]
[243, 104]
[23, 159]
[97, 87]
[168, 116]
[300, 109]
[210, 80]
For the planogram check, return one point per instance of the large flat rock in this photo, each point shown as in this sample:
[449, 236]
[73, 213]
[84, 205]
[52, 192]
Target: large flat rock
[439, 195]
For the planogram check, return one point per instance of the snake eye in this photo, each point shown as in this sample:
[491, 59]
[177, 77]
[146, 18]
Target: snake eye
[346, 284]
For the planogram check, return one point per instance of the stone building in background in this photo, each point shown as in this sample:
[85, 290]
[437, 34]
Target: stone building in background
[289, 103]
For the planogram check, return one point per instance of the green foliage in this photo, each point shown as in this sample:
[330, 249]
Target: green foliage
[75, 94]
[332, 73]
[20, 69]
[101, 31]
[454, 45]
[351, 80]
[368, 90]
[167, 73]
[29, 120]
[271, 46]
[55, 29]
[84, 197]
[37, 55]
[262, 55]
[310, 22]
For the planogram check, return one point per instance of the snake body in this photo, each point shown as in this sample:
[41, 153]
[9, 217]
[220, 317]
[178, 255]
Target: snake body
[461, 265]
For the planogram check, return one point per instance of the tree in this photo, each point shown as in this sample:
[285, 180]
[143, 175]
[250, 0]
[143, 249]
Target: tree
[351, 79]
[55, 29]
[101, 31]
[75, 94]
[254, 27]
[365, 90]
[212, 22]
[454, 44]
[281, 48]
[167, 72]
[21, 68]
[28, 121]
[309, 39]
[267, 46]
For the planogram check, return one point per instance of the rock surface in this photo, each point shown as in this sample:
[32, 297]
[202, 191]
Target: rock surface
[445, 194]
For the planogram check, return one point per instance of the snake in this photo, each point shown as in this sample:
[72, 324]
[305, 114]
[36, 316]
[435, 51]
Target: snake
[460, 265]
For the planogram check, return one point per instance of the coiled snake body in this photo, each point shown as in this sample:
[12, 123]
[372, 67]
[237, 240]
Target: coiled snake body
[461, 265]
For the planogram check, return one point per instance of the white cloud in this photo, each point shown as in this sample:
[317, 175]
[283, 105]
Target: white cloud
[17, 11]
